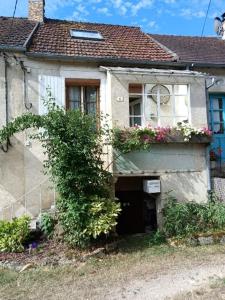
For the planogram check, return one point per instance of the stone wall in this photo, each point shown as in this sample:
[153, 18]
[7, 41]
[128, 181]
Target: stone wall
[36, 10]
[218, 185]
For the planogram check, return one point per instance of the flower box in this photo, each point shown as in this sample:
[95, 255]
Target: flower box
[138, 138]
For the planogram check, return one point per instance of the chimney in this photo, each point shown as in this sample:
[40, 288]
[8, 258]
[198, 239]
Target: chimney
[37, 10]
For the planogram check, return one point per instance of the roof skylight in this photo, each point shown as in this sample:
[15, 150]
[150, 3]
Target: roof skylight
[86, 34]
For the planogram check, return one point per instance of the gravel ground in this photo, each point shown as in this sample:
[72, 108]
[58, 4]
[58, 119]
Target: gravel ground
[178, 283]
[136, 272]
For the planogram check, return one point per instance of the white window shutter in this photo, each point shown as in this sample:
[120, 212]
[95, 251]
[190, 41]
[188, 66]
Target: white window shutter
[56, 85]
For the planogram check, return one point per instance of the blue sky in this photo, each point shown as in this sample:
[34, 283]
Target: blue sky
[184, 17]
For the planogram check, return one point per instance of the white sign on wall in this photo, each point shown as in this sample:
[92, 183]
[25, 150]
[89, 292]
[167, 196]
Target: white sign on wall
[120, 99]
[151, 186]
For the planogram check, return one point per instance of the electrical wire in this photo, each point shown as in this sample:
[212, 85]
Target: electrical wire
[206, 17]
[13, 17]
[203, 27]
[15, 7]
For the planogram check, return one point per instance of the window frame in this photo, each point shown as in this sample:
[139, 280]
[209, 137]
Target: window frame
[83, 83]
[145, 97]
[132, 116]
[98, 37]
[212, 110]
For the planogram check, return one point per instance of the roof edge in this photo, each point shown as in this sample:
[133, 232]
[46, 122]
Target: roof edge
[97, 59]
[12, 48]
[176, 63]
[29, 38]
[92, 23]
[185, 36]
[174, 54]
[194, 64]
[151, 71]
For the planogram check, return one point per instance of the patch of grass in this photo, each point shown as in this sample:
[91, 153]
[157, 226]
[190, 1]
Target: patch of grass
[134, 243]
[96, 278]
[212, 291]
[217, 283]
[144, 244]
[7, 277]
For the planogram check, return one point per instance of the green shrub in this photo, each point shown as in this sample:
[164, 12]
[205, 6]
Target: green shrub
[187, 218]
[13, 234]
[73, 146]
[47, 224]
[82, 223]
[157, 238]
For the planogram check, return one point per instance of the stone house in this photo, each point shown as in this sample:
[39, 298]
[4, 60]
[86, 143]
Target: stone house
[192, 54]
[116, 70]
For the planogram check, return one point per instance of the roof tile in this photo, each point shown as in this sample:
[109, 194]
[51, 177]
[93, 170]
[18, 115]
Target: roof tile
[120, 42]
[14, 32]
[194, 49]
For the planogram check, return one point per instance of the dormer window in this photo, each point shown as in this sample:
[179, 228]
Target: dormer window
[86, 34]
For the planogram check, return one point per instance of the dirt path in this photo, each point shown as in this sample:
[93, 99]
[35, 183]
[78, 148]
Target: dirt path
[171, 284]
[146, 274]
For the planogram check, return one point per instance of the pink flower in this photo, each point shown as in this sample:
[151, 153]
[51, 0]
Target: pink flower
[146, 138]
[206, 131]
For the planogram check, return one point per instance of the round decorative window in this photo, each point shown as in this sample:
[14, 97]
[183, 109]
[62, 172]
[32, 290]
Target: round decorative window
[163, 91]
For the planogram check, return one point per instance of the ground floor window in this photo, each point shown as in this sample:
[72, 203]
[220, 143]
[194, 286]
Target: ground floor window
[157, 104]
[216, 113]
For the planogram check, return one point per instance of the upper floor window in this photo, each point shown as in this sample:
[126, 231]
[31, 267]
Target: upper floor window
[158, 105]
[86, 34]
[135, 105]
[83, 95]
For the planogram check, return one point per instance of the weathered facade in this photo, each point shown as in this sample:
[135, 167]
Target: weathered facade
[191, 53]
[25, 189]
[119, 73]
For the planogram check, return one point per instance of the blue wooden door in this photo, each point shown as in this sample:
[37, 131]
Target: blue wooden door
[217, 125]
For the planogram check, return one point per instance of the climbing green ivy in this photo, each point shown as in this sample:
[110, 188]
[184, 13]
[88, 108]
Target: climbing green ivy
[73, 147]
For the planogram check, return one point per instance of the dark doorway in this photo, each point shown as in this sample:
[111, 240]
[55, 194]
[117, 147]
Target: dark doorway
[138, 208]
[150, 216]
[131, 218]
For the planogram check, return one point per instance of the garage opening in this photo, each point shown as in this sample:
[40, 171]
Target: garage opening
[138, 207]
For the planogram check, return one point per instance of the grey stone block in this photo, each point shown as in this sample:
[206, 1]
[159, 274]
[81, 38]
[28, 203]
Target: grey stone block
[222, 240]
[205, 240]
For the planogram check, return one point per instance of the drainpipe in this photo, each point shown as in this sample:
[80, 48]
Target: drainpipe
[108, 108]
[207, 87]
[5, 148]
[27, 105]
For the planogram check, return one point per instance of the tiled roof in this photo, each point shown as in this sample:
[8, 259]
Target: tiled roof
[119, 42]
[194, 49]
[14, 32]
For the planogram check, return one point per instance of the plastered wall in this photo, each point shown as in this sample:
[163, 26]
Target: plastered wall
[120, 84]
[182, 168]
[23, 186]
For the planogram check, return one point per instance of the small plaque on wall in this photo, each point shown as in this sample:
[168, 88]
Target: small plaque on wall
[120, 99]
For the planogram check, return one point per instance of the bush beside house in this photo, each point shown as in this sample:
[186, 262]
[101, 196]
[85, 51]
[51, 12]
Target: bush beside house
[72, 143]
